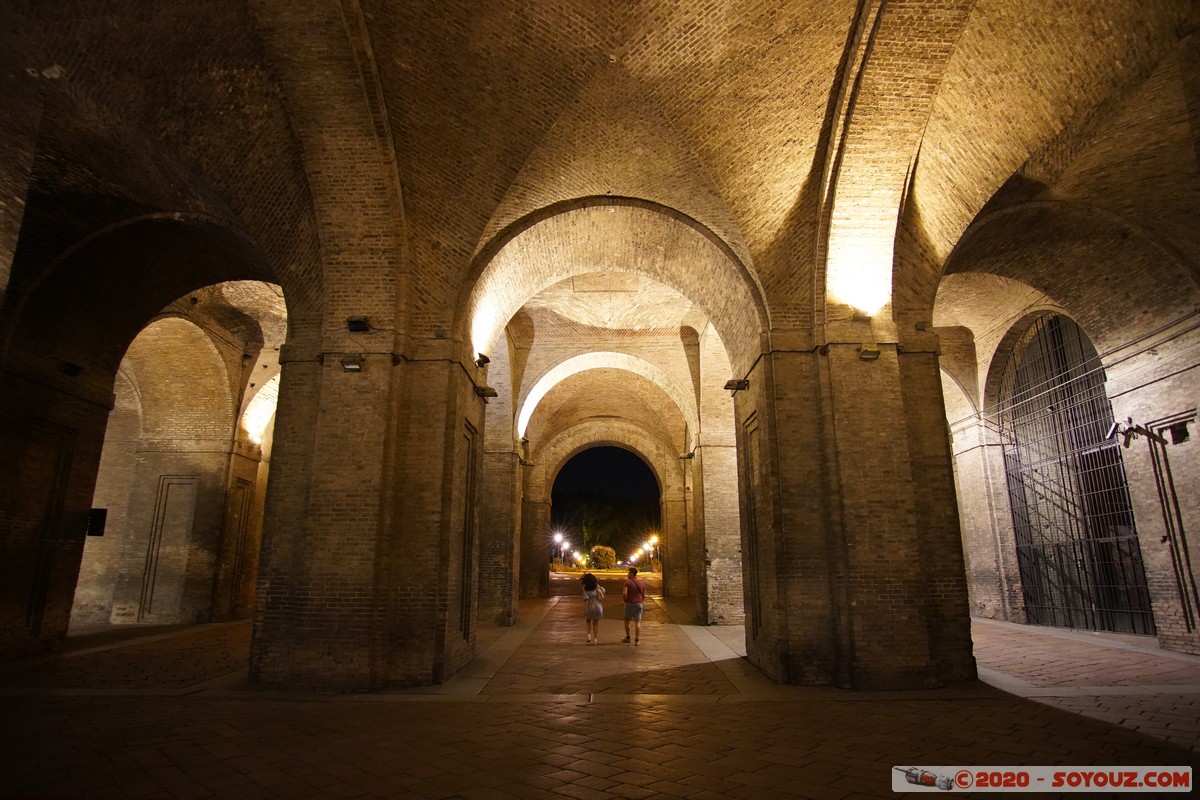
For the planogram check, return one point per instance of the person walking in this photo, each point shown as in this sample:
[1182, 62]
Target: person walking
[634, 595]
[593, 594]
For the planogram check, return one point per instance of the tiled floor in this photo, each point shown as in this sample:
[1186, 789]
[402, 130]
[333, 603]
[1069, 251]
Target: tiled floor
[543, 714]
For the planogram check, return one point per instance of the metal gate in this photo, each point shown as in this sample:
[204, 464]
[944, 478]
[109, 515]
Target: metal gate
[1077, 548]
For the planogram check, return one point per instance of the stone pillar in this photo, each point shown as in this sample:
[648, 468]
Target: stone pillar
[500, 494]
[722, 553]
[317, 596]
[535, 550]
[674, 545]
[717, 490]
[51, 440]
[942, 590]
[499, 537]
[852, 578]
[792, 619]
[989, 549]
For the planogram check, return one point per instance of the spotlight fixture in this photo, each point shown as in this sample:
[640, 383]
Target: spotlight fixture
[352, 364]
[485, 391]
[1129, 432]
[358, 324]
[868, 352]
[737, 385]
[482, 360]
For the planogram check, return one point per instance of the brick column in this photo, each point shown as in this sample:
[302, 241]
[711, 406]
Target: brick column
[499, 545]
[51, 441]
[674, 547]
[500, 496]
[990, 551]
[535, 534]
[852, 576]
[317, 583]
[722, 553]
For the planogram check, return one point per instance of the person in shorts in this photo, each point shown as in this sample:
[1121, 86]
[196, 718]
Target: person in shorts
[634, 595]
[593, 595]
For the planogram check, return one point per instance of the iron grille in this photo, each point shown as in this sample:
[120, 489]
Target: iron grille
[1077, 547]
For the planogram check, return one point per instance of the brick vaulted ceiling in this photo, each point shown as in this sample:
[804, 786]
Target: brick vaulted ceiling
[415, 138]
[738, 114]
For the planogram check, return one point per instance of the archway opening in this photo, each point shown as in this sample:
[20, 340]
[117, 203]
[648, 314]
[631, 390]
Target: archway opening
[1077, 548]
[183, 468]
[605, 513]
[617, 323]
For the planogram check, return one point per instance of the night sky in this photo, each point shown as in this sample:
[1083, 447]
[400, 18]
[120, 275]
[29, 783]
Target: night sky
[608, 472]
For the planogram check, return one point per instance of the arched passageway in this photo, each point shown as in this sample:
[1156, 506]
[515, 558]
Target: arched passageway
[769, 252]
[183, 474]
[607, 497]
[624, 357]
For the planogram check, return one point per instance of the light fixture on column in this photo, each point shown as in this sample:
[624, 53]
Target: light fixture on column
[1129, 432]
[358, 324]
[737, 385]
[485, 391]
[352, 363]
[868, 352]
[482, 360]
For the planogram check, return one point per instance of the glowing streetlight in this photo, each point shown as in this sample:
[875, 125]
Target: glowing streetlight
[559, 545]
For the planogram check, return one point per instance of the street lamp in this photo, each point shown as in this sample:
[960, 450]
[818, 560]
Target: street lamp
[652, 549]
[558, 545]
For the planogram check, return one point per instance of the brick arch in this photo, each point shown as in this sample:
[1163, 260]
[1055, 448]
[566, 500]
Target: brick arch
[115, 280]
[952, 387]
[902, 61]
[538, 388]
[1081, 257]
[1004, 351]
[549, 458]
[612, 234]
[181, 382]
[172, 428]
[1037, 96]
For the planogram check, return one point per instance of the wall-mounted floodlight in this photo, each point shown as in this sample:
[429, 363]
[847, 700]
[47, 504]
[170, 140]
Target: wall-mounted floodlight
[352, 364]
[482, 360]
[868, 352]
[737, 385]
[485, 391]
[1129, 432]
[358, 324]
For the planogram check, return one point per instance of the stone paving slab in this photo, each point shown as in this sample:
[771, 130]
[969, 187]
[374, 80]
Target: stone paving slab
[680, 716]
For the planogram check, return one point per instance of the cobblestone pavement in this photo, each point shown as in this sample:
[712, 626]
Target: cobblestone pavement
[541, 713]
